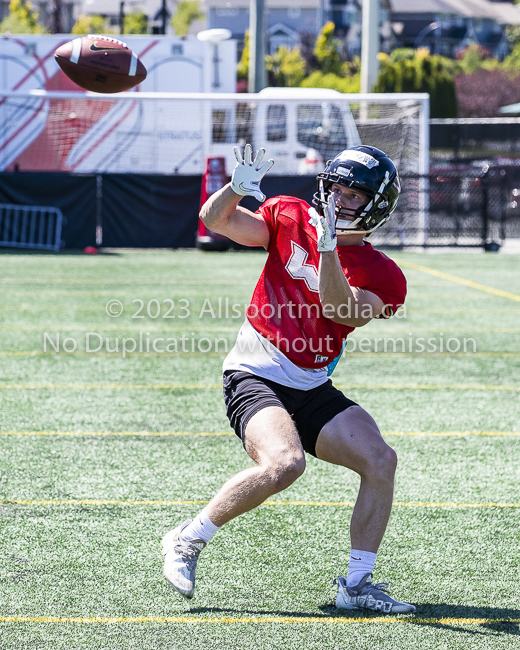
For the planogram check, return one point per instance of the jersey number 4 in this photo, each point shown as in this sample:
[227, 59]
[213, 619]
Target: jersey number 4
[298, 268]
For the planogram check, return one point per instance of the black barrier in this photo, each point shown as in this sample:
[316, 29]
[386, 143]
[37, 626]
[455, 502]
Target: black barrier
[129, 210]
[446, 208]
[74, 195]
[150, 211]
[113, 210]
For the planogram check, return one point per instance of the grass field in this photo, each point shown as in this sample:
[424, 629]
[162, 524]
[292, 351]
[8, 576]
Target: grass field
[102, 452]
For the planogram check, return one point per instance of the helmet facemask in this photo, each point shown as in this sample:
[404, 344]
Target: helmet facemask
[378, 179]
[348, 220]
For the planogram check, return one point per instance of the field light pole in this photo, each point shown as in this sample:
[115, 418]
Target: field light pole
[321, 19]
[215, 36]
[164, 15]
[122, 17]
[257, 36]
[56, 17]
[369, 45]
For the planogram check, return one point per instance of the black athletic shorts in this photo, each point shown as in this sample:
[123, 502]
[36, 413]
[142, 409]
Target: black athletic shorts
[246, 394]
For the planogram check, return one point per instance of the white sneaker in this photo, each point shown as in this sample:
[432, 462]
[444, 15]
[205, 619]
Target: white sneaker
[180, 560]
[365, 595]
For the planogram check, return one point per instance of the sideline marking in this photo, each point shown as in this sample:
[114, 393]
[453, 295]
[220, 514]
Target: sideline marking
[208, 386]
[452, 433]
[255, 619]
[323, 504]
[506, 310]
[148, 328]
[172, 284]
[427, 387]
[458, 280]
[176, 290]
[104, 386]
[405, 331]
[169, 355]
[231, 433]
[150, 434]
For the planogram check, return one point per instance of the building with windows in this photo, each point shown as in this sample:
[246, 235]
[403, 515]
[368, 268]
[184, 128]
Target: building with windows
[446, 26]
[288, 21]
[297, 22]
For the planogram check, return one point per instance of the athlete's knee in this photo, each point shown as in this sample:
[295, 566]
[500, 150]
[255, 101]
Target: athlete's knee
[379, 459]
[286, 469]
[381, 462]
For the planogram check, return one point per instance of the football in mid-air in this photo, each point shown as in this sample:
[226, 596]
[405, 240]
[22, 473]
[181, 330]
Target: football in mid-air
[100, 63]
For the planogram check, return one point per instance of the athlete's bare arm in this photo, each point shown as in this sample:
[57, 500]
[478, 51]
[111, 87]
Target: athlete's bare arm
[342, 303]
[222, 214]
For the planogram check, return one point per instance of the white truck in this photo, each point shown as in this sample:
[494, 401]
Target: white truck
[288, 123]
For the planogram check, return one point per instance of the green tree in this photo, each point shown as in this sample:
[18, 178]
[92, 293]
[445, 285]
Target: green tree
[348, 82]
[512, 62]
[136, 23]
[243, 64]
[94, 24]
[318, 79]
[327, 51]
[287, 67]
[513, 35]
[22, 19]
[424, 73]
[402, 54]
[187, 12]
[473, 58]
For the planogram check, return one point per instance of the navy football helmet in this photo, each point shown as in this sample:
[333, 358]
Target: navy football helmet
[369, 170]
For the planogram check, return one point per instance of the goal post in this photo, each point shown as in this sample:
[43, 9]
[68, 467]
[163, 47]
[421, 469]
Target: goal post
[175, 133]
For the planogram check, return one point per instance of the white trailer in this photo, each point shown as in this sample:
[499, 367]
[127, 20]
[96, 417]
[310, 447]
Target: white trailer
[169, 133]
[174, 64]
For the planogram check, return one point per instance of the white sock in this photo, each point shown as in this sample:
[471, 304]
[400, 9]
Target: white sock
[361, 563]
[200, 528]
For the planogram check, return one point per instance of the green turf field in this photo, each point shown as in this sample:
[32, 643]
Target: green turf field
[102, 452]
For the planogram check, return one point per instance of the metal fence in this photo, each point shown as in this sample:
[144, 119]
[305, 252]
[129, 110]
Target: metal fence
[476, 208]
[30, 226]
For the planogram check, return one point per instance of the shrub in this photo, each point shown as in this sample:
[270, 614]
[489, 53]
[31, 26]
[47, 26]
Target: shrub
[94, 24]
[422, 73]
[482, 93]
[286, 67]
[136, 23]
[22, 19]
[187, 12]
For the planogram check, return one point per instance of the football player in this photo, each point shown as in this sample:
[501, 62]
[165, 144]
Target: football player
[322, 279]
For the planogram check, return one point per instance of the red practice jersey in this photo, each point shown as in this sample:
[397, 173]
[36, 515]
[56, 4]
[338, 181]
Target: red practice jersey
[286, 308]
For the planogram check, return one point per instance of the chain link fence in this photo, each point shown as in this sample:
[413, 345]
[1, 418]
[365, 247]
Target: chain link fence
[471, 208]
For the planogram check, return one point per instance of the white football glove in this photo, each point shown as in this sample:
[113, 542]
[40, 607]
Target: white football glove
[246, 177]
[325, 226]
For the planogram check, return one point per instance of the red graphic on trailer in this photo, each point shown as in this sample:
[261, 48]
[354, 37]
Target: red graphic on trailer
[30, 129]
